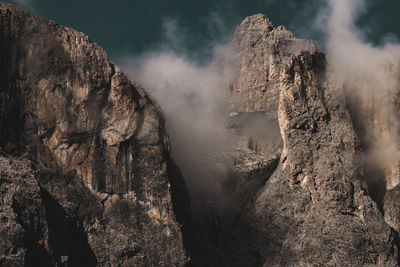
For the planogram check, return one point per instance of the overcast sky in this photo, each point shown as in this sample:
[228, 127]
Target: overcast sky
[131, 26]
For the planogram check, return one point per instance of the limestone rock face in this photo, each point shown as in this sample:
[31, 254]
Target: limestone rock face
[262, 53]
[71, 107]
[65, 106]
[314, 208]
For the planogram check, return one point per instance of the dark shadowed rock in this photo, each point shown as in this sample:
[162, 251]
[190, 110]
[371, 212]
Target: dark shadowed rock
[22, 214]
[392, 208]
[65, 106]
[36, 229]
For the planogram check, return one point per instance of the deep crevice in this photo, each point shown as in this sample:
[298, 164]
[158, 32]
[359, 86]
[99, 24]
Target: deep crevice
[181, 206]
[67, 239]
[36, 254]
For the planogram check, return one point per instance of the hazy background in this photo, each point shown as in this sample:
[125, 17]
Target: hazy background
[132, 27]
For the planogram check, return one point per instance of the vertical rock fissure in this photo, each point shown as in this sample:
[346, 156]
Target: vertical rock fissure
[67, 239]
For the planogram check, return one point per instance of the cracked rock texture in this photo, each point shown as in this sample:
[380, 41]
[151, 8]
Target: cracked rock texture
[314, 208]
[262, 53]
[102, 143]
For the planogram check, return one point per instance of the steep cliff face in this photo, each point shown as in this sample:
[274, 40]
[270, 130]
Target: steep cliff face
[315, 208]
[66, 107]
[262, 53]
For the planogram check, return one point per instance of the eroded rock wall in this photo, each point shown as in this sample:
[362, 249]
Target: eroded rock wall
[316, 207]
[70, 110]
[262, 53]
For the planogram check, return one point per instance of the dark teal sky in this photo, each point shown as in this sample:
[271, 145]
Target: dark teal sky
[125, 27]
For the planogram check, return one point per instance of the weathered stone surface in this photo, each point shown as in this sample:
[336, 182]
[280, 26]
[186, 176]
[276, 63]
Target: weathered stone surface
[65, 106]
[36, 230]
[119, 229]
[49, 218]
[21, 214]
[69, 106]
[315, 209]
[392, 208]
[262, 53]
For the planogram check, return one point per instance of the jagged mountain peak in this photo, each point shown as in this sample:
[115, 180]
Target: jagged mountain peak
[87, 177]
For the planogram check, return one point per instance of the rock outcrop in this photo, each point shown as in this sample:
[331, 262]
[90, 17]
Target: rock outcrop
[262, 53]
[315, 208]
[74, 114]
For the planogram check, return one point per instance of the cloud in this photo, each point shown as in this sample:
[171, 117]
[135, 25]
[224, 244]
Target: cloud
[194, 97]
[194, 100]
[371, 78]
[303, 18]
[197, 43]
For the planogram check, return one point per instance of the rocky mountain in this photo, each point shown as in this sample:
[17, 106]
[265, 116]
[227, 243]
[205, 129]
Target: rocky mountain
[262, 53]
[86, 176]
[92, 182]
[317, 205]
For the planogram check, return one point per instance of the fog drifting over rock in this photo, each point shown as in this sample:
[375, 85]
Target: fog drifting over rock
[371, 79]
[196, 106]
[195, 99]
